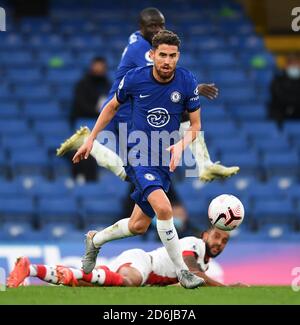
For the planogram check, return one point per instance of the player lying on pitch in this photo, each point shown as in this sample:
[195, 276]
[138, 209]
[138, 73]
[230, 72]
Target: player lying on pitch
[133, 267]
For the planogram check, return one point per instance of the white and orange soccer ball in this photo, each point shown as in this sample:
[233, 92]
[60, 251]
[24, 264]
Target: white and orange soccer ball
[226, 212]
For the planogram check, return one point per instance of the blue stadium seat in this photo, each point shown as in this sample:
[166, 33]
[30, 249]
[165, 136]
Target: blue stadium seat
[9, 111]
[292, 128]
[47, 111]
[273, 210]
[242, 43]
[11, 41]
[247, 112]
[197, 212]
[50, 128]
[214, 113]
[292, 192]
[31, 162]
[22, 75]
[13, 190]
[46, 41]
[285, 163]
[51, 142]
[206, 43]
[18, 59]
[29, 91]
[229, 77]
[20, 142]
[12, 209]
[248, 161]
[62, 75]
[234, 145]
[58, 210]
[272, 146]
[13, 127]
[262, 129]
[262, 77]
[89, 122]
[265, 190]
[100, 211]
[236, 95]
[50, 190]
[61, 231]
[17, 230]
[284, 183]
[277, 231]
[220, 60]
[60, 167]
[31, 25]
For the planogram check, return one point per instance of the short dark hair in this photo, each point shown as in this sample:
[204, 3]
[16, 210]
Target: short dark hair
[99, 59]
[165, 37]
[149, 13]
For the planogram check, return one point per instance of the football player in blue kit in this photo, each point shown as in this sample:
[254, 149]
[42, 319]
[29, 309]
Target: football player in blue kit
[136, 54]
[159, 94]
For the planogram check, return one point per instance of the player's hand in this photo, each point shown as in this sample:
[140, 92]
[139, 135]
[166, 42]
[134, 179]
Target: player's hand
[176, 153]
[84, 151]
[208, 90]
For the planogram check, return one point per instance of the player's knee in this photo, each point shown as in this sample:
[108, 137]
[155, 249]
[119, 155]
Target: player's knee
[164, 211]
[138, 227]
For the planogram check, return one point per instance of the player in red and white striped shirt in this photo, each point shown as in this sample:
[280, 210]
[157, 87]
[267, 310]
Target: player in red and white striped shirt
[133, 267]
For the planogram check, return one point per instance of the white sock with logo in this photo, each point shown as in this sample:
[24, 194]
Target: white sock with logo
[108, 159]
[169, 237]
[117, 231]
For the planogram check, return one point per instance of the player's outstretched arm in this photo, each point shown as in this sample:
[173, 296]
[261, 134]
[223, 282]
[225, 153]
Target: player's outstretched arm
[104, 118]
[191, 262]
[209, 91]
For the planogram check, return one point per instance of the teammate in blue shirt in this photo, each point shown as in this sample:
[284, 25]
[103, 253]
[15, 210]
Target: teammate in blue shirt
[136, 54]
[159, 94]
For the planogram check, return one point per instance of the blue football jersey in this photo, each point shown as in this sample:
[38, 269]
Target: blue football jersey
[157, 106]
[136, 54]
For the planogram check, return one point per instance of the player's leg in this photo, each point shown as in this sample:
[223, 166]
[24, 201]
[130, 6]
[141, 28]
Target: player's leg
[104, 157]
[169, 237]
[135, 266]
[23, 269]
[101, 276]
[208, 170]
[137, 224]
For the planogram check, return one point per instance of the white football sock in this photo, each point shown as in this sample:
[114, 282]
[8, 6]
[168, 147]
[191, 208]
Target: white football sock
[198, 147]
[32, 270]
[108, 159]
[169, 237]
[117, 231]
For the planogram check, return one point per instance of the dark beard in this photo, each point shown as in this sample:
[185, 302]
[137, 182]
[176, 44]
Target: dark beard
[165, 77]
[209, 253]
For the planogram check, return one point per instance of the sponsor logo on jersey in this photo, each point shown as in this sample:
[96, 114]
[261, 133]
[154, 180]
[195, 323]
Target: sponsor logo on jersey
[194, 99]
[158, 117]
[175, 96]
[149, 177]
[196, 91]
[144, 96]
[147, 57]
[121, 84]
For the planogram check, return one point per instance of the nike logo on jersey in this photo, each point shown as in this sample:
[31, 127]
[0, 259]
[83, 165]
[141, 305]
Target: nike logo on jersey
[144, 96]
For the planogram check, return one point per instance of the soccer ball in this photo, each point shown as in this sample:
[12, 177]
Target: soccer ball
[226, 212]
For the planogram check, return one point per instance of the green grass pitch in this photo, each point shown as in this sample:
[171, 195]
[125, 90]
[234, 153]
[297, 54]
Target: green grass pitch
[148, 296]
